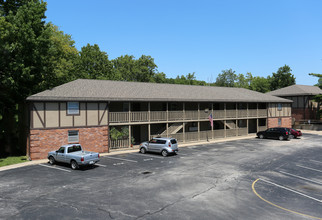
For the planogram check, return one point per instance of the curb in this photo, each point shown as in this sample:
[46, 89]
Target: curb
[35, 162]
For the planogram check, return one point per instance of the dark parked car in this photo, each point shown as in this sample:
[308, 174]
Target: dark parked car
[295, 133]
[275, 133]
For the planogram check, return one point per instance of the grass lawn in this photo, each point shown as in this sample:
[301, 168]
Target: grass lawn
[12, 160]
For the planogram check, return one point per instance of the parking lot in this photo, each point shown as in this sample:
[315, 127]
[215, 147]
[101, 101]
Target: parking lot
[241, 179]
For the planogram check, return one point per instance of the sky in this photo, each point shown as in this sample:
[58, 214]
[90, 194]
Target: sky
[204, 37]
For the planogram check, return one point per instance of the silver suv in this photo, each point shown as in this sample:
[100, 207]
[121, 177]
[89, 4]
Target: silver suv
[161, 145]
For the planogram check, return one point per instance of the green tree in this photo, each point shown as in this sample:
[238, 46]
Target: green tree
[259, 84]
[282, 78]
[93, 63]
[319, 84]
[243, 81]
[24, 46]
[226, 78]
[129, 69]
[34, 56]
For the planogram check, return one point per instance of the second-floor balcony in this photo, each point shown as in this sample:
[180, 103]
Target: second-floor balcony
[169, 116]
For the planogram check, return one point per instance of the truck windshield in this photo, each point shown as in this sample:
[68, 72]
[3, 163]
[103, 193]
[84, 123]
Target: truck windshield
[74, 148]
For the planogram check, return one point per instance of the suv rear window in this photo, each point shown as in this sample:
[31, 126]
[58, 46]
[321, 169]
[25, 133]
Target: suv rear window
[173, 141]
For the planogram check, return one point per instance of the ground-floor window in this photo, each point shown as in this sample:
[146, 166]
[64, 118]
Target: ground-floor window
[73, 136]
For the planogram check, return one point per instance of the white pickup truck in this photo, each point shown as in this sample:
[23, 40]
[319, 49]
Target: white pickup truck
[74, 155]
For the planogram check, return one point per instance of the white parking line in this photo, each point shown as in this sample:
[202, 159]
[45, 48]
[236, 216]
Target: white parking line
[116, 158]
[316, 161]
[148, 159]
[54, 167]
[144, 155]
[309, 168]
[300, 177]
[100, 165]
[291, 190]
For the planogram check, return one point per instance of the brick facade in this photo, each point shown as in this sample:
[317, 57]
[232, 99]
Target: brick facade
[45, 140]
[303, 114]
[285, 122]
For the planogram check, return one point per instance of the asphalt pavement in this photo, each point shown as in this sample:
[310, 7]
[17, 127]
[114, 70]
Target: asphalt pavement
[240, 179]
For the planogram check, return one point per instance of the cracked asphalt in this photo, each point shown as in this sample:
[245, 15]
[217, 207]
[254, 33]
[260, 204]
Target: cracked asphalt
[211, 181]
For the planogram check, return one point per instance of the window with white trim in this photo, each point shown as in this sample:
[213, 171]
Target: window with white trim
[72, 108]
[73, 136]
[279, 121]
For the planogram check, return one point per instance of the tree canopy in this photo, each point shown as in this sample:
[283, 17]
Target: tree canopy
[282, 78]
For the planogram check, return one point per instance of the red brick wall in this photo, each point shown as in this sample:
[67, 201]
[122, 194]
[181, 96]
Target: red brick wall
[43, 141]
[273, 122]
[298, 114]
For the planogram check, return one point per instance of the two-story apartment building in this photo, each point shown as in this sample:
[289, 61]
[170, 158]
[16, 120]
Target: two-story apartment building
[303, 107]
[92, 112]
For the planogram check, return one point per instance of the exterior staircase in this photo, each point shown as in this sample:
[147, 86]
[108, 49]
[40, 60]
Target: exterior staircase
[173, 129]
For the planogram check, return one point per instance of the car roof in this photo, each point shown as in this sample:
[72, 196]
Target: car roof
[70, 145]
[163, 138]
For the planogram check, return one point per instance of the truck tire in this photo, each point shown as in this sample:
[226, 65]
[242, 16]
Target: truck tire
[74, 165]
[52, 160]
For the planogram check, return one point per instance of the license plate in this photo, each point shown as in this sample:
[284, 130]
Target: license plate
[91, 162]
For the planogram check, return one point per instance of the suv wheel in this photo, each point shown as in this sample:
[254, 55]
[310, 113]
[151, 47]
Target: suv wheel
[261, 136]
[281, 138]
[164, 153]
[142, 150]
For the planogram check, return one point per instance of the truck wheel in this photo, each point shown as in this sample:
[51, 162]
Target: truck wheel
[74, 165]
[164, 153]
[52, 160]
[281, 138]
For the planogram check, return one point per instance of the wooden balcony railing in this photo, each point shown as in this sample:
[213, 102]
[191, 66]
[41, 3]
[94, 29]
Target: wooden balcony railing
[155, 116]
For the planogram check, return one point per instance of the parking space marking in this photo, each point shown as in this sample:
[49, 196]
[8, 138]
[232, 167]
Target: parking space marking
[309, 168]
[280, 207]
[300, 177]
[148, 156]
[53, 167]
[316, 161]
[100, 165]
[116, 158]
[148, 159]
[291, 190]
[116, 164]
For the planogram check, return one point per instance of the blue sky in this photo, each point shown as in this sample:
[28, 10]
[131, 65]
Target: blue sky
[204, 37]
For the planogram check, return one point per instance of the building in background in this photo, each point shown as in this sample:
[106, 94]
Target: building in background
[303, 107]
[105, 115]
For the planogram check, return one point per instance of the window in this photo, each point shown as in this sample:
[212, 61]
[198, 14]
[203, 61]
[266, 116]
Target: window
[161, 141]
[74, 148]
[279, 107]
[279, 122]
[73, 137]
[61, 150]
[72, 108]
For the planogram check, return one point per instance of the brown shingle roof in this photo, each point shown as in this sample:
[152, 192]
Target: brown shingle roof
[296, 90]
[106, 90]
